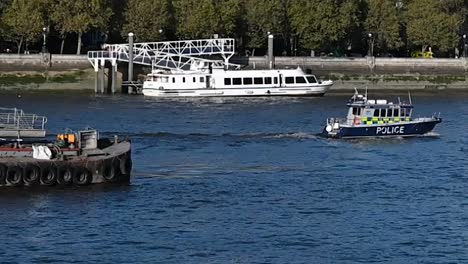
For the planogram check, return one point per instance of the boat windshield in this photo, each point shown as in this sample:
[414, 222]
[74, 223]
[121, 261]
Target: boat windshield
[311, 79]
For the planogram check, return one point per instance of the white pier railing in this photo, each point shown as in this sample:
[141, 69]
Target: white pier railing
[174, 55]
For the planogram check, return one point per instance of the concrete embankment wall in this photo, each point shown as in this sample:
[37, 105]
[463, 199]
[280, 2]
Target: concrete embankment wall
[72, 72]
[45, 72]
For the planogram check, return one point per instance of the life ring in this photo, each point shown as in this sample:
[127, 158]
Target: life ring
[112, 171]
[82, 176]
[64, 175]
[2, 174]
[48, 176]
[31, 175]
[14, 176]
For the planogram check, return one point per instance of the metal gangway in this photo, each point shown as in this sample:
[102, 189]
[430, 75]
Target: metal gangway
[170, 55]
[15, 123]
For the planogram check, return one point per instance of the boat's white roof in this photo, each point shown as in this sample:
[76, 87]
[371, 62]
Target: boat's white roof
[238, 73]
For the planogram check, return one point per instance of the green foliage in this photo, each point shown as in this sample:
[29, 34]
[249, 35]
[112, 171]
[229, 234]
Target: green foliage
[146, 18]
[80, 16]
[383, 22]
[203, 18]
[321, 23]
[263, 16]
[22, 21]
[427, 25]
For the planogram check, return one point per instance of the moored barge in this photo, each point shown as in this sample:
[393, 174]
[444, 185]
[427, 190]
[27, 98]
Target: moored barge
[81, 158]
[378, 118]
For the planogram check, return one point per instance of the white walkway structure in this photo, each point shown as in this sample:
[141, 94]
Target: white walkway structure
[169, 55]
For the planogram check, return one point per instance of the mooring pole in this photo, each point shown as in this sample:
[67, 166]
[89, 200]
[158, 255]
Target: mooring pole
[130, 60]
[102, 73]
[271, 58]
[114, 76]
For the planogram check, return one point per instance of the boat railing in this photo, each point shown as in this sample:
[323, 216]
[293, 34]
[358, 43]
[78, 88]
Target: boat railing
[13, 118]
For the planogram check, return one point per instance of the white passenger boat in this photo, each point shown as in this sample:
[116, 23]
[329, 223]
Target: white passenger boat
[207, 82]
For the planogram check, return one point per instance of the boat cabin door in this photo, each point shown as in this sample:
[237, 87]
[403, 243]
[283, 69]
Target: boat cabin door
[208, 80]
[281, 80]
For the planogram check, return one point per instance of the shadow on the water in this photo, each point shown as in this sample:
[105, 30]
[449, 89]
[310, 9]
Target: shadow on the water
[23, 191]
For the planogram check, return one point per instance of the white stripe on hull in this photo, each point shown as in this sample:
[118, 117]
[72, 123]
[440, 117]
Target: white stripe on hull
[283, 91]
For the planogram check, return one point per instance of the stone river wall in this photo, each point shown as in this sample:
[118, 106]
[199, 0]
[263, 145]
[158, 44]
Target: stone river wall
[72, 72]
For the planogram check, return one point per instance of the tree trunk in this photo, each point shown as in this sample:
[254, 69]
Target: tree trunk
[424, 47]
[78, 49]
[62, 45]
[19, 45]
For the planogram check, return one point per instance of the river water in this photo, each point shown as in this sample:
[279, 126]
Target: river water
[247, 181]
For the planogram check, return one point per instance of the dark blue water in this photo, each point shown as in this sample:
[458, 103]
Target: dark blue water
[247, 181]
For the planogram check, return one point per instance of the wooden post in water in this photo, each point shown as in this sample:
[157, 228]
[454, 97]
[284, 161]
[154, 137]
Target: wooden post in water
[113, 76]
[130, 61]
[102, 77]
[96, 82]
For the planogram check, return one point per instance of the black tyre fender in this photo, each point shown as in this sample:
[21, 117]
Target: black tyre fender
[65, 175]
[82, 176]
[3, 171]
[126, 165]
[14, 176]
[112, 171]
[31, 175]
[49, 175]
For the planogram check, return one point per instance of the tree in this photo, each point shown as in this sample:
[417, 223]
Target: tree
[23, 21]
[322, 24]
[150, 20]
[263, 16]
[203, 18]
[427, 25]
[80, 16]
[383, 22]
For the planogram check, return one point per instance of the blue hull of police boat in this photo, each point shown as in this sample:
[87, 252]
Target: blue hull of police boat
[384, 130]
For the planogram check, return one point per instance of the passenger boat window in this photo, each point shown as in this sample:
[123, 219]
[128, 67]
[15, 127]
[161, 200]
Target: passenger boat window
[311, 79]
[258, 80]
[248, 81]
[376, 112]
[194, 79]
[275, 80]
[237, 81]
[173, 79]
[289, 80]
[202, 79]
[183, 79]
[227, 81]
[300, 79]
[165, 79]
[268, 80]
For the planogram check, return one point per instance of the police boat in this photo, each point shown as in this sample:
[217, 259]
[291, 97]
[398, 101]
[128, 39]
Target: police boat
[378, 118]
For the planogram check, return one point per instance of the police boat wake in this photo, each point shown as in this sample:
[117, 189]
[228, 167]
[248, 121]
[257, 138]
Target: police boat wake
[378, 118]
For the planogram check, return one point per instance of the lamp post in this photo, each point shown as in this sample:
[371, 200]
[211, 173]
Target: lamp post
[44, 43]
[160, 34]
[464, 46]
[399, 4]
[370, 52]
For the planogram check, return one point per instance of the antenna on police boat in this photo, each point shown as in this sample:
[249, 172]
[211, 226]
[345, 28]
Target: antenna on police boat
[409, 96]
